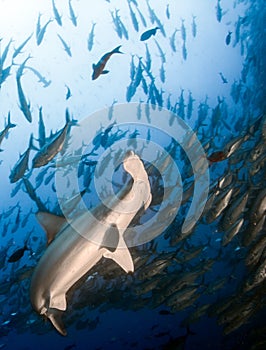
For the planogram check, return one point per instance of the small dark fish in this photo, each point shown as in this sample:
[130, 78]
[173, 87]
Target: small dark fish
[26, 217]
[146, 35]
[194, 26]
[224, 80]
[91, 37]
[4, 73]
[66, 47]
[56, 14]
[73, 17]
[217, 156]
[18, 50]
[141, 17]
[4, 133]
[24, 106]
[42, 136]
[5, 53]
[161, 51]
[21, 165]
[228, 38]
[183, 30]
[184, 51]
[42, 32]
[68, 93]
[38, 26]
[133, 17]
[32, 194]
[167, 12]
[98, 68]
[172, 40]
[117, 23]
[42, 79]
[219, 12]
[17, 255]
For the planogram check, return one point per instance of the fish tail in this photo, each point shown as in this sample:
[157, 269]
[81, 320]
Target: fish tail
[31, 145]
[117, 49]
[9, 123]
[69, 121]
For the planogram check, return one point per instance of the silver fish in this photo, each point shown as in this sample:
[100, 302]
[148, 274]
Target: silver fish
[51, 148]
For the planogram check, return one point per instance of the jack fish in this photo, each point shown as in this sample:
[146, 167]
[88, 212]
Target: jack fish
[98, 68]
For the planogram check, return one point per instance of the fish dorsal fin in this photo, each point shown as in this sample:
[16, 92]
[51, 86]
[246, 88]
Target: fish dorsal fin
[51, 223]
[121, 255]
[93, 66]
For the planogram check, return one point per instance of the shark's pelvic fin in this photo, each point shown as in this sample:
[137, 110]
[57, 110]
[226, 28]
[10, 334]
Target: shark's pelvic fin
[55, 317]
[121, 255]
[51, 223]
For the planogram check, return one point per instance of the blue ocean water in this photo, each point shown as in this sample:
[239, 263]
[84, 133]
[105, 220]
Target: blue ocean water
[192, 89]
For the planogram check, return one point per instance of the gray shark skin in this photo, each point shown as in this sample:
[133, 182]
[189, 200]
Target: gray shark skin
[72, 254]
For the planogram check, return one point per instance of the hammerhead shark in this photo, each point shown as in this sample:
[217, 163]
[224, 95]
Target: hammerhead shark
[73, 252]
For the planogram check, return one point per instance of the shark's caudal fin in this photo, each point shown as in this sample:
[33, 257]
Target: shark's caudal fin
[55, 317]
[121, 255]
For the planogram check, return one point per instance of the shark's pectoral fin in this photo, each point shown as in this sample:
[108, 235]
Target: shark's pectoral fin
[55, 317]
[121, 255]
[105, 71]
[58, 302]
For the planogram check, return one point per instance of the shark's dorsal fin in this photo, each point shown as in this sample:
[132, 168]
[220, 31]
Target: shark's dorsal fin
[51, 223]
[121, 255]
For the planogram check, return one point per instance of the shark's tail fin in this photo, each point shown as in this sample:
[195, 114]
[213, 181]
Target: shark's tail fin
[54, 316]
